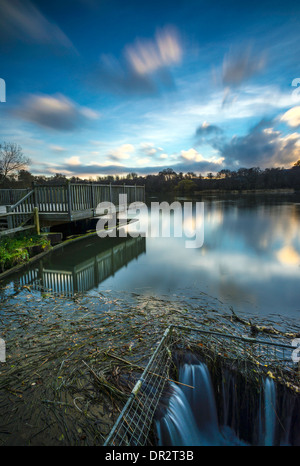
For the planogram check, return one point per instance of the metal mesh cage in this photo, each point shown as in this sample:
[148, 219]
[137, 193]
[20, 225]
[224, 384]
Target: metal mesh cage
[134, 423]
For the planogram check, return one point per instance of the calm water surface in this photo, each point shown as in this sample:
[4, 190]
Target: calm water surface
[250, 258]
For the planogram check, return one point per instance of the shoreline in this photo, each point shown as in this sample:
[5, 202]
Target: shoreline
[248, 191]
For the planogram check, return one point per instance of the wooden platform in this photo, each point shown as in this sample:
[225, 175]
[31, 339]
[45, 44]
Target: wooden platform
[65, 203]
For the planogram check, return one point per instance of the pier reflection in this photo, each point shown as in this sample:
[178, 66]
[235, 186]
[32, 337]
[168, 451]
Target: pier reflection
[82, 266]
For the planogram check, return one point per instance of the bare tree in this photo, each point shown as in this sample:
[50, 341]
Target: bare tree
[11, 159]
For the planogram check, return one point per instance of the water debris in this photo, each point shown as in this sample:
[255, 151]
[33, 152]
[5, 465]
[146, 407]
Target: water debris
[71, 362]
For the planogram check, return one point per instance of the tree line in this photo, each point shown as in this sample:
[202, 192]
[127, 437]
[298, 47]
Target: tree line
[14, 174]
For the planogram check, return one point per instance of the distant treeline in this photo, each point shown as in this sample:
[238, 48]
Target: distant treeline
[168, 180]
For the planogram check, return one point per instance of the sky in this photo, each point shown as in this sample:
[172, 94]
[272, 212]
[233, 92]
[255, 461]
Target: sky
[102, 87]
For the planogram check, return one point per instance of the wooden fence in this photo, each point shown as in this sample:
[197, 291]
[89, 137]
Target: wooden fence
[11, 196]
[66, 202]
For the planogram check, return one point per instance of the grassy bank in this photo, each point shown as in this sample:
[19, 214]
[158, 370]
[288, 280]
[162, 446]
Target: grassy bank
[19, 249]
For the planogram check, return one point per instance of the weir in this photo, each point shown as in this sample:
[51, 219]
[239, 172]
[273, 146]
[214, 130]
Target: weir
[189, 417]
[245, 392]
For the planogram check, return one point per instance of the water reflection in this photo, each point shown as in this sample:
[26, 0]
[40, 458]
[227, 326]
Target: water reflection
[81, 267]
[250, 258]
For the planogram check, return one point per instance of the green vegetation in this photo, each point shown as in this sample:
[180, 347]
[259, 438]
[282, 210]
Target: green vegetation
[170, 181]
[19, 249]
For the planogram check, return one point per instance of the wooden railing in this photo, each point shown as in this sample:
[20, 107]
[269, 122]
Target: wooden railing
[18, 215]
[51, 198]
[80, 197]
[70, 201]
[11, 196]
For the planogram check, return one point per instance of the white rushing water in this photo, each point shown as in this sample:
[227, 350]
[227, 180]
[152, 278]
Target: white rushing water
[191, 416]
[270, 411]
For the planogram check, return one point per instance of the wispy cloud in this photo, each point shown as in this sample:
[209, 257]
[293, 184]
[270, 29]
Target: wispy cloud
[144, 67]
[55, 112]
[238, 66]
[22, 20]
[146, 57]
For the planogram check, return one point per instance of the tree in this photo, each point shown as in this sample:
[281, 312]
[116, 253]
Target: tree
[297, 164]
[168, 174]
[11, 159]
[25, 178]
[186, 186]
[131, 176]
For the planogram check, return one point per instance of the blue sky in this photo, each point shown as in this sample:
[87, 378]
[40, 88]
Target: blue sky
[100, 87]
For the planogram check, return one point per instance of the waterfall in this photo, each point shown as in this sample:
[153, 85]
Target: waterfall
[189, 416]
[270, 411]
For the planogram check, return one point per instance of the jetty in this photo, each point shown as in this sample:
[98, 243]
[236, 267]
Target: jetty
[48, 205]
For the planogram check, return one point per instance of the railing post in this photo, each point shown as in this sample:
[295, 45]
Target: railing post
[92, 196]
[9, 218]
[36, 220]
[69, 199]
[35, 200]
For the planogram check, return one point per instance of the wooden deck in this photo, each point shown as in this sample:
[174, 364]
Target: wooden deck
[63, 203]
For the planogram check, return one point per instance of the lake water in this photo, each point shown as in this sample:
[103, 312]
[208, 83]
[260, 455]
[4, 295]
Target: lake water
[250, 258]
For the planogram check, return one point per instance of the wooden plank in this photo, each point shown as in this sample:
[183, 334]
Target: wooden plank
[15, 230]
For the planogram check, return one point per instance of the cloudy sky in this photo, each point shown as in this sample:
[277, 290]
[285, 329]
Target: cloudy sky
[97, 87]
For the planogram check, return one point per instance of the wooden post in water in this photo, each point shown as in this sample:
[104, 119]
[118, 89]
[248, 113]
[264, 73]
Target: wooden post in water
[36, 220]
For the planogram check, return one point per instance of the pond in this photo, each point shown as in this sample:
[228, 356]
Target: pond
[72, 314]
[249, 259]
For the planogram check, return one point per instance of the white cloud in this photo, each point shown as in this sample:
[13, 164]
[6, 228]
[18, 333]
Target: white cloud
[148, 148]
[193, 155]
[123, 152]
[292, 117]
[148, 56]
[74, 160]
